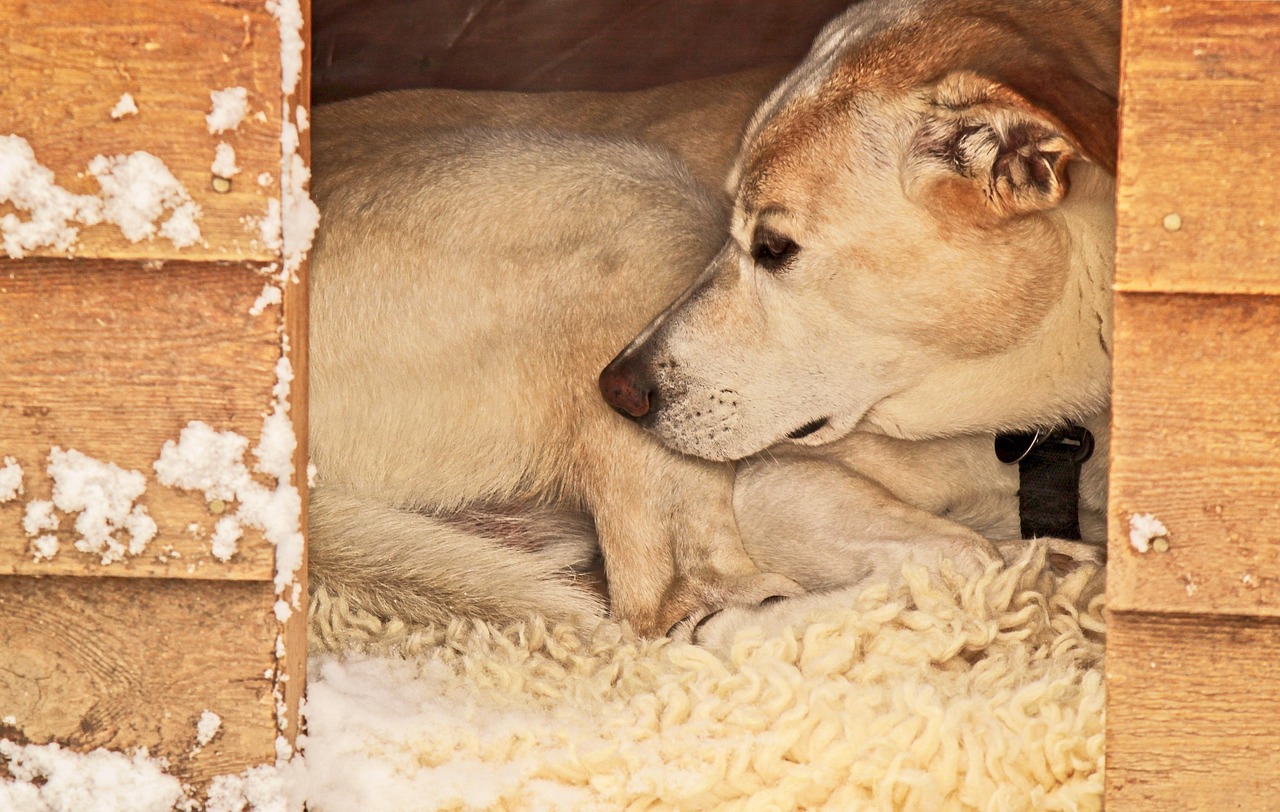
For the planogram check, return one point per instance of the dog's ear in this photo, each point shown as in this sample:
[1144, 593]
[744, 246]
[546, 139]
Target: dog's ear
[982, 140]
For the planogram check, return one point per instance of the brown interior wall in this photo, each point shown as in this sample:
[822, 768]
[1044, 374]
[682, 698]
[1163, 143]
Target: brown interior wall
[363, 46]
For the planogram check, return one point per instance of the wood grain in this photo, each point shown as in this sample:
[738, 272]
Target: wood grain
[1193, 713]
[297, 325]
[123, 663]
[1199, 112]
[1196, 442]
[66, 64]
[113, 359]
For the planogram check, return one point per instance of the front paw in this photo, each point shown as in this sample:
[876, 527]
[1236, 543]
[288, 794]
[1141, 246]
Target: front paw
[695, 602]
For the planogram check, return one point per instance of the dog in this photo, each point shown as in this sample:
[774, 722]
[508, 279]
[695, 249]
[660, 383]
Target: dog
[859, 426]
[919, 256]
[468, 283]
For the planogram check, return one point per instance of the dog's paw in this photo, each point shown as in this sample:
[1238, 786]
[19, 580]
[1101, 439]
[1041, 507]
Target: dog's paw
[703, 599]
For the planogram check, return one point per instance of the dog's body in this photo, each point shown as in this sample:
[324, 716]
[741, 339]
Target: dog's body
[932, 283]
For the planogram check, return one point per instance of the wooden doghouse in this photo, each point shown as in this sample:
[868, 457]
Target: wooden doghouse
[114, 351]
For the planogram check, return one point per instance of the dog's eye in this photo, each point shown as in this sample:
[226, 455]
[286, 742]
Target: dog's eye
[772, 250]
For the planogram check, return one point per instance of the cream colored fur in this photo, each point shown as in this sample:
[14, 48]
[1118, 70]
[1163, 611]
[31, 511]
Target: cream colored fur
[952, 281]
[467, 286]
[919, 256]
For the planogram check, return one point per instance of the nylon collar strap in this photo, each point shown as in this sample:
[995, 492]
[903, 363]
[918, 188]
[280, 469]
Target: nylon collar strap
[1049, 462]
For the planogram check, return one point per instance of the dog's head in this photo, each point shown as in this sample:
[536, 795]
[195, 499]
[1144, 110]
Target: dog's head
[913, 241]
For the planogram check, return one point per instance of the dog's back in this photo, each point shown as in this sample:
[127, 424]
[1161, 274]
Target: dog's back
[467, 285]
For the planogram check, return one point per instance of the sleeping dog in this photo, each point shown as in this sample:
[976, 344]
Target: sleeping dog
[918, 256]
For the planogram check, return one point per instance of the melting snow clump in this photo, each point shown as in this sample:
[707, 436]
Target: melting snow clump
[212, 461]
[226, 537]
[44, 547]
[29, 187]
[11, 477]
[47, 778]
[224, 161]
[136, 191]
[207, 728]
[125, 107]
[1143, 529]
[103, 494]
[271, 295]
[229, 108]
[39, 517]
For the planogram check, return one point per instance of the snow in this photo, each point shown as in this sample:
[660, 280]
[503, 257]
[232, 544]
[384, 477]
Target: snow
[226, 537]
[207, 727]
[229, 108]
[11, 479]
[44, 548]
[39, 517]
[207, 460]
[265, 788]
[204, 460]
[271, 295]
[224, 161]
[289, 15]
[365, 714]
[47, 778]
[29, 187]
[103, 494]
[136, 191]
[1143, 529]
[125, 107]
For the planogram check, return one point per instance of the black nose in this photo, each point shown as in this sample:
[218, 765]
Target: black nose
[626, 386]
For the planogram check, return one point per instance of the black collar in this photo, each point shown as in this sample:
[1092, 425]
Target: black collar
[1049, 462]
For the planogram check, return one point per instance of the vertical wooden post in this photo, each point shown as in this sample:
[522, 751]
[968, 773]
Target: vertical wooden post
[1193, 718]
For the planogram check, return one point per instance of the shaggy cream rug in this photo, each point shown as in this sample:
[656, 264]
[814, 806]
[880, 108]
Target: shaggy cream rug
[935, 695]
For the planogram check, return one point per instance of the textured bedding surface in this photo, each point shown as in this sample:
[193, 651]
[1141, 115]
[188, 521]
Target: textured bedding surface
[938, 694]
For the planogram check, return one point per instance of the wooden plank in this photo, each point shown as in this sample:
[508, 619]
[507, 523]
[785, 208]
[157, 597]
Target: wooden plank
[123, 663]
[297, 326]
[66, 65]
[1196, 442]
[113, 359]
[1197, 211]
[1193, 713]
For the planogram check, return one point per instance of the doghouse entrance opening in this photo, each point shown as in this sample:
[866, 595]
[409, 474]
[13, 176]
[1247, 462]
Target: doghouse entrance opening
[363, 47]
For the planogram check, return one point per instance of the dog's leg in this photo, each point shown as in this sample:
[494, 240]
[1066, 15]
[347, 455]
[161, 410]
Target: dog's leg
[833, 532]
[423, 569]
[667, 531]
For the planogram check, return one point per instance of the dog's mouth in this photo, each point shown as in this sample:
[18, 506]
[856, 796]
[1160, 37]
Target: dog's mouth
[808, 428]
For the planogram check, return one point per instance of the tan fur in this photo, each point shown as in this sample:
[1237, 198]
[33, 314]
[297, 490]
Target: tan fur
[467, 286]
[942, 173]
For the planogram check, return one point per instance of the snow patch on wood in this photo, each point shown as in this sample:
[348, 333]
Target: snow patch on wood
[125, 107]
[103, 494]
[230, 105]
[52, 210]
[224, 161]
[10, 480]
[1144, 528]
[137, 189]
[48, 778]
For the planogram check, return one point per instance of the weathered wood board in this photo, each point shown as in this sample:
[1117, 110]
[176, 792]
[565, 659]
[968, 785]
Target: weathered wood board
[113, 352]
[1196, 443]
[65, 65]
[1193, 713]
[113, 359]
[1198, 205]
[125, 662]
[1193, 696]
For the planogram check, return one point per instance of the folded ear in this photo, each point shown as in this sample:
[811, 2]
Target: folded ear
[981, 137]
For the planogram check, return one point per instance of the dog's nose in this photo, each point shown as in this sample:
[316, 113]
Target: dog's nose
[626, 387]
